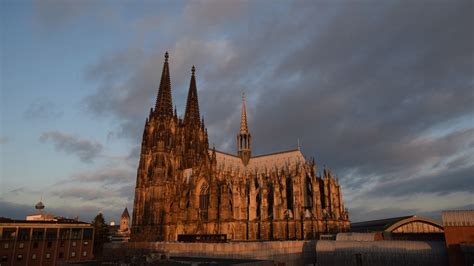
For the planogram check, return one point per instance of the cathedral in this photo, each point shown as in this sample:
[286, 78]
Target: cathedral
[184, 187]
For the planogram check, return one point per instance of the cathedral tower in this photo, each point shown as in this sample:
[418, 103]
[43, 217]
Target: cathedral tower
[183, 188]
[244, 138]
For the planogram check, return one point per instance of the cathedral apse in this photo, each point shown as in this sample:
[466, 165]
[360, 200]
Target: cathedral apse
[185, 187]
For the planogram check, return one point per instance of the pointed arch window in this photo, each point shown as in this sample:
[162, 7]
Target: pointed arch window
[204, 201]
[289, 193]
[309, 193]
[270, 201]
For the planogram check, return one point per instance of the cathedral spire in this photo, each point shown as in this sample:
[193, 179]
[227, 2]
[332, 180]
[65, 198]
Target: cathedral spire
[243, 119]
[164, 102]
[191, 115]
[244, 138]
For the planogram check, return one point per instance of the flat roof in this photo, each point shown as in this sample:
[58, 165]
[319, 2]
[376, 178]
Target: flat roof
[7, 221]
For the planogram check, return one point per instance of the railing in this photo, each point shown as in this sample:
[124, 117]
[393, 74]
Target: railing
[206, 238]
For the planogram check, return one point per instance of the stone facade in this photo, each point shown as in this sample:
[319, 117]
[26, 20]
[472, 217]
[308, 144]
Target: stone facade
[184, 187]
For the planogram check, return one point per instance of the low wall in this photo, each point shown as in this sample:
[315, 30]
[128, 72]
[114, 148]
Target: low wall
[288, 252]
[324, 252]
[383, 252]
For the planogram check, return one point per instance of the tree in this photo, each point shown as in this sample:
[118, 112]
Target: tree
[100, 234]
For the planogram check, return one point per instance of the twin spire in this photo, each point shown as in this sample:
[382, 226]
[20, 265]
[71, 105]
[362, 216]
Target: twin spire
[164, 107]
[191, 116]
[164, 102]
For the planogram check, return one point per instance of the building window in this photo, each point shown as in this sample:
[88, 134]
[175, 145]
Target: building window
[51, 234]
[21, 245]
[35, 245]
[270, 201]
[76, 233]
[19, 257]
[4, 258]
[84, 254]
[5, 246]
[64, 233]
[289, 193]
[60, 255]
[38, 234]
[258, 199]
[24, 234]
[322, 196]
[204, 201]
[48, 255]
[88, 233]
[73, 254]
[309, 192]
[9, 233]
[33, 257]
[73, 243]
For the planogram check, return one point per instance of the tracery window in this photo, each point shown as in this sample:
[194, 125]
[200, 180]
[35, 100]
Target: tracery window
[204, 201]
[289, 193]
[270, 200]
[322, 195]
[309, 192]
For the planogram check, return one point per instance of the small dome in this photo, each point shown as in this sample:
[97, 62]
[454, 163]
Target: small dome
[39, 206]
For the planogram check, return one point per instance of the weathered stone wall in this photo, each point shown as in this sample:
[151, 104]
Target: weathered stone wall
[388, 253]
[322, 252]
[288, 252]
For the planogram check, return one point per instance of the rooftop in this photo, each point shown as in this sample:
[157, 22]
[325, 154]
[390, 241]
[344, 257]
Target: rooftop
[4, 220]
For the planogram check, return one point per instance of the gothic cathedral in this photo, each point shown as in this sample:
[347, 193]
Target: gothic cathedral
[183, 187]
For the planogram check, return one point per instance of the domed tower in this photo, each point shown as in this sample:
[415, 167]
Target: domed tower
[244, 137]
[39, 206]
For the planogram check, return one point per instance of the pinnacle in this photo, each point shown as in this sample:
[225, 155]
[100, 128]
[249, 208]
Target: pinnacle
[243, 120]
[191, 115]
[164, 102]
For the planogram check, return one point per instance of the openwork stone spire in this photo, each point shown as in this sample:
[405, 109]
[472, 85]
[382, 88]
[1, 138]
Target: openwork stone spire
[243, 120]
[164, 102]
[191, 115]
[244, 138]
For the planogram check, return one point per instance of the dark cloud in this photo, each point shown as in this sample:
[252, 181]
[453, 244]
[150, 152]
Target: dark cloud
[86, 150]
[127, 191]
[85, 213]
[41, 110]
[105, 176]
[83, 194]
[363, 214]
[374, 90]
[440, 183]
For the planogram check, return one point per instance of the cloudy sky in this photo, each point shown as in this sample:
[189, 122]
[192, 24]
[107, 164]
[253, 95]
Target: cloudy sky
[381, 92]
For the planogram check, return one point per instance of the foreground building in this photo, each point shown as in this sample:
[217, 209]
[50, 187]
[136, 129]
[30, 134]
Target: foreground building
[45, 242]
[459, 233]
[185, 188]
